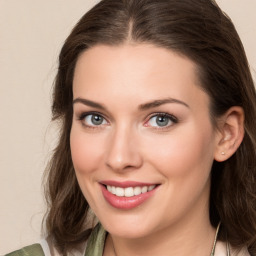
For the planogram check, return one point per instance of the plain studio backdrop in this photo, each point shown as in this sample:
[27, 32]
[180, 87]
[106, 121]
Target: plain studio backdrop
[31, 35]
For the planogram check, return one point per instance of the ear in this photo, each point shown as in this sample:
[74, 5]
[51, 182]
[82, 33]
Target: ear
[230, 133]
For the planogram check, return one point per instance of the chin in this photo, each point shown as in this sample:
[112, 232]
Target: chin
[128, 227]
[128, 232]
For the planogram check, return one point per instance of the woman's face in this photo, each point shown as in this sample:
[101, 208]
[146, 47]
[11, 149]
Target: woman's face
[141, 129]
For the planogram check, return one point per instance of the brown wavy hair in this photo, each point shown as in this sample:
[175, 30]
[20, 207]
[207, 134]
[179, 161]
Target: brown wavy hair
[199, 30]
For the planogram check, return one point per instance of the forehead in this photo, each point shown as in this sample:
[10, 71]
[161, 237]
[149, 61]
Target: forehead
[141, 72]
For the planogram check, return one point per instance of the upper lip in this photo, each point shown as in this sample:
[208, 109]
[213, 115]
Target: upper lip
[125, 184]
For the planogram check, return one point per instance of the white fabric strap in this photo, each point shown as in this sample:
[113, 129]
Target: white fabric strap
[45, 247]
[220, 249]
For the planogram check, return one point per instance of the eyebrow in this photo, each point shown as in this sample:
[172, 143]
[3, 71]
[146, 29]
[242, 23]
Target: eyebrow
[89, 103]
[143, 107]
[157, 103]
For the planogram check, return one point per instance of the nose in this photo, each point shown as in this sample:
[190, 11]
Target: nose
[123, 152]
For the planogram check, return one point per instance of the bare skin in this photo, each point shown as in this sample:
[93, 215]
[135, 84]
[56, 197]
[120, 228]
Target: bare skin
[154, 127]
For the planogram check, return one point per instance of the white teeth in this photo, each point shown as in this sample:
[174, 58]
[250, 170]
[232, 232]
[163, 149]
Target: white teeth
[113, 190]
[137, 191]
[144, 189]
[119, 191]
[130, 191]
[151, 187]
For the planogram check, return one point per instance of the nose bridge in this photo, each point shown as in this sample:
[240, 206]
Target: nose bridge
[123, 151]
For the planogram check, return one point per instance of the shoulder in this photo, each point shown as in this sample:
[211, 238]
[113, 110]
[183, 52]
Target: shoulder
[35, 249]
[93, 246]
[42, 248]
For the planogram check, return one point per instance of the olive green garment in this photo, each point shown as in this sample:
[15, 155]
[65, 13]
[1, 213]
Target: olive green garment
[95, 245]
[32, 250]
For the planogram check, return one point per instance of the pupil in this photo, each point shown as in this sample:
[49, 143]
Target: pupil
[162, 120]
[97, 120]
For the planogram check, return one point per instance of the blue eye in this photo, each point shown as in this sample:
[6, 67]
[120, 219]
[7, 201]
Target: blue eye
[94, 120]
[162, 120]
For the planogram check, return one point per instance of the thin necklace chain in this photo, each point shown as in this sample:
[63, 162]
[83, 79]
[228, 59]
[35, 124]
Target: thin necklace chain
[215, 240]
[213, 247]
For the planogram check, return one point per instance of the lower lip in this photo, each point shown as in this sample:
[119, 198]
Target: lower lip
[126, 203]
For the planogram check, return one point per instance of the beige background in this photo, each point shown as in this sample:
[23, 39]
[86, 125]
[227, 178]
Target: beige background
[31, 34]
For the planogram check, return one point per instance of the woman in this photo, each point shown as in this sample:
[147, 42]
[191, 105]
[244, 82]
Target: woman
[157, 109]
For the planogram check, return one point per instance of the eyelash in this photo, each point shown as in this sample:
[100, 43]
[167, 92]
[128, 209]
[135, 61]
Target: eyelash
[171, 118]
[84, 115]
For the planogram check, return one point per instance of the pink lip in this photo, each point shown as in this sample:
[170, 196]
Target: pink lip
[126, 203]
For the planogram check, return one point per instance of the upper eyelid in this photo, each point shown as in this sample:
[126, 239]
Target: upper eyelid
[85, 113]
[172, 118]
[82, 115]
[79, 112]
[162, 114]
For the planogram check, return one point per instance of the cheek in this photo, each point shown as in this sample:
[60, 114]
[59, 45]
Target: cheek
[184, 160]
[86, 155]
[184, 153]
[85, 151]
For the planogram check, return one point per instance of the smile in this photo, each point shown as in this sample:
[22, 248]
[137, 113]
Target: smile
[127, 195]
[130, 191]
